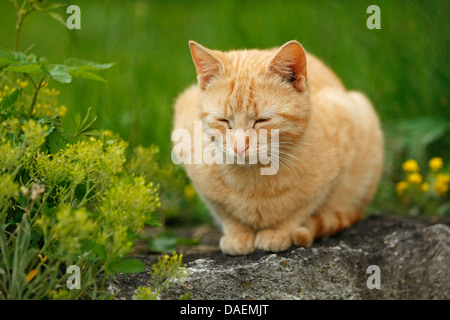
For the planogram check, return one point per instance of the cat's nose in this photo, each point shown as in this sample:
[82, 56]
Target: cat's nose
[240, 151]
[240, 144]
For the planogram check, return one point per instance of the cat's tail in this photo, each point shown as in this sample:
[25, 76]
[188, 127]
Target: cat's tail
[322, 225]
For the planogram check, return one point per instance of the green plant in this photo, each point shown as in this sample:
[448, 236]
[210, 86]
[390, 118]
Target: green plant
[163, 274]
[409, 141]
[426, 193]
[179, 200]
[66, 197]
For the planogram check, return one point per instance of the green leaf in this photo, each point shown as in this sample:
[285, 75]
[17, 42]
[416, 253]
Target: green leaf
[5, 60]
[100, 250]
[4, 248]
[92, 133]
[8, 101]
[45, 71]
[26, 67]
[185, 296]
[413, 136]
[8, 57]
[50, 6]
[57, 17]
[80, 73]
[87, 65]
[188, 241]
[60, 73]
[153, 221]
[163, 243]
[128, 266]
[86, 124]
[76, 117]
[55, 142]
[86, 118]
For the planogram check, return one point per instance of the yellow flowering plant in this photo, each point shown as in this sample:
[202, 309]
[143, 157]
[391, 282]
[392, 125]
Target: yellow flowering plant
[68, 196]
[427, 193]
[163, 273]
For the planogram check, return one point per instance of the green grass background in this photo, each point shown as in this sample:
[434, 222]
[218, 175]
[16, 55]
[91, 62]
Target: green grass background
[403, 68]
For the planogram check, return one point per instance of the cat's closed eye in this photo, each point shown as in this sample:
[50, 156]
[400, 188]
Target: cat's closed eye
[262, 120]
[224, 121]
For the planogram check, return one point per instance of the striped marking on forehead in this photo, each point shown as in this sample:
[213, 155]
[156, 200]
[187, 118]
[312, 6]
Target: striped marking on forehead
[227, 100]
[241, 96]
[243, 70]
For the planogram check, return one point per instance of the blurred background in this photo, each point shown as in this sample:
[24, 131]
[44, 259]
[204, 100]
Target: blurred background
[403, 67]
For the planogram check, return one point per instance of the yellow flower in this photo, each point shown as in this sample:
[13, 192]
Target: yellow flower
[441, 188]
[410, 166]
[441, 184]
[189, 192]
[400, 187]
[424, 187]
[23, 84]
[415, 178]
[62, 111]
[435, 163]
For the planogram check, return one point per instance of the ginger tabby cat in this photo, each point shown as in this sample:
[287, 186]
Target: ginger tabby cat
[330, 146]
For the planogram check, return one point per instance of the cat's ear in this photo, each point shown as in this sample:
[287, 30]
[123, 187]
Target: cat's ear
[290, 63]
[206, 63]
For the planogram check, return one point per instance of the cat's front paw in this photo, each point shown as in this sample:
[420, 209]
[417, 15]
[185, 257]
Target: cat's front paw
[237, 244]
[272, 240]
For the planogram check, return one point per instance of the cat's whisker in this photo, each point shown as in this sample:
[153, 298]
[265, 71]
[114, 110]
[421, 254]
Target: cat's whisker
[294, 165]
[288, 166]
[293, 146]
[302, 162]
[265, 148]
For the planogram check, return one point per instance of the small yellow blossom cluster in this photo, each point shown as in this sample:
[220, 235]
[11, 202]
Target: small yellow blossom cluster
[48, 105]
[189, 192]
[8, 189]
[30, 137]
[123, 204]
[6, 91]
[413, 178]
[47, 101]
[163, 274]
[126, 207]
[22, 84]
[91, 161]
[442, 183]
[415, 181]
[10, 89]
[145, 293]
[71, 226]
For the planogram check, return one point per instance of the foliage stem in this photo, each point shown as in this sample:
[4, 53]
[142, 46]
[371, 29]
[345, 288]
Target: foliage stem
[33, 102]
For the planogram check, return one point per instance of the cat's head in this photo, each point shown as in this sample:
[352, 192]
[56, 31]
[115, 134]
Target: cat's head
[254, 89]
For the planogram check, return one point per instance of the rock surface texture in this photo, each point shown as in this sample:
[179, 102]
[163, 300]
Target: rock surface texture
[413, 257]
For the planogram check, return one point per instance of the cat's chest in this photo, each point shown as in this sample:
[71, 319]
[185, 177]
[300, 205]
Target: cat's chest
[261, 200]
